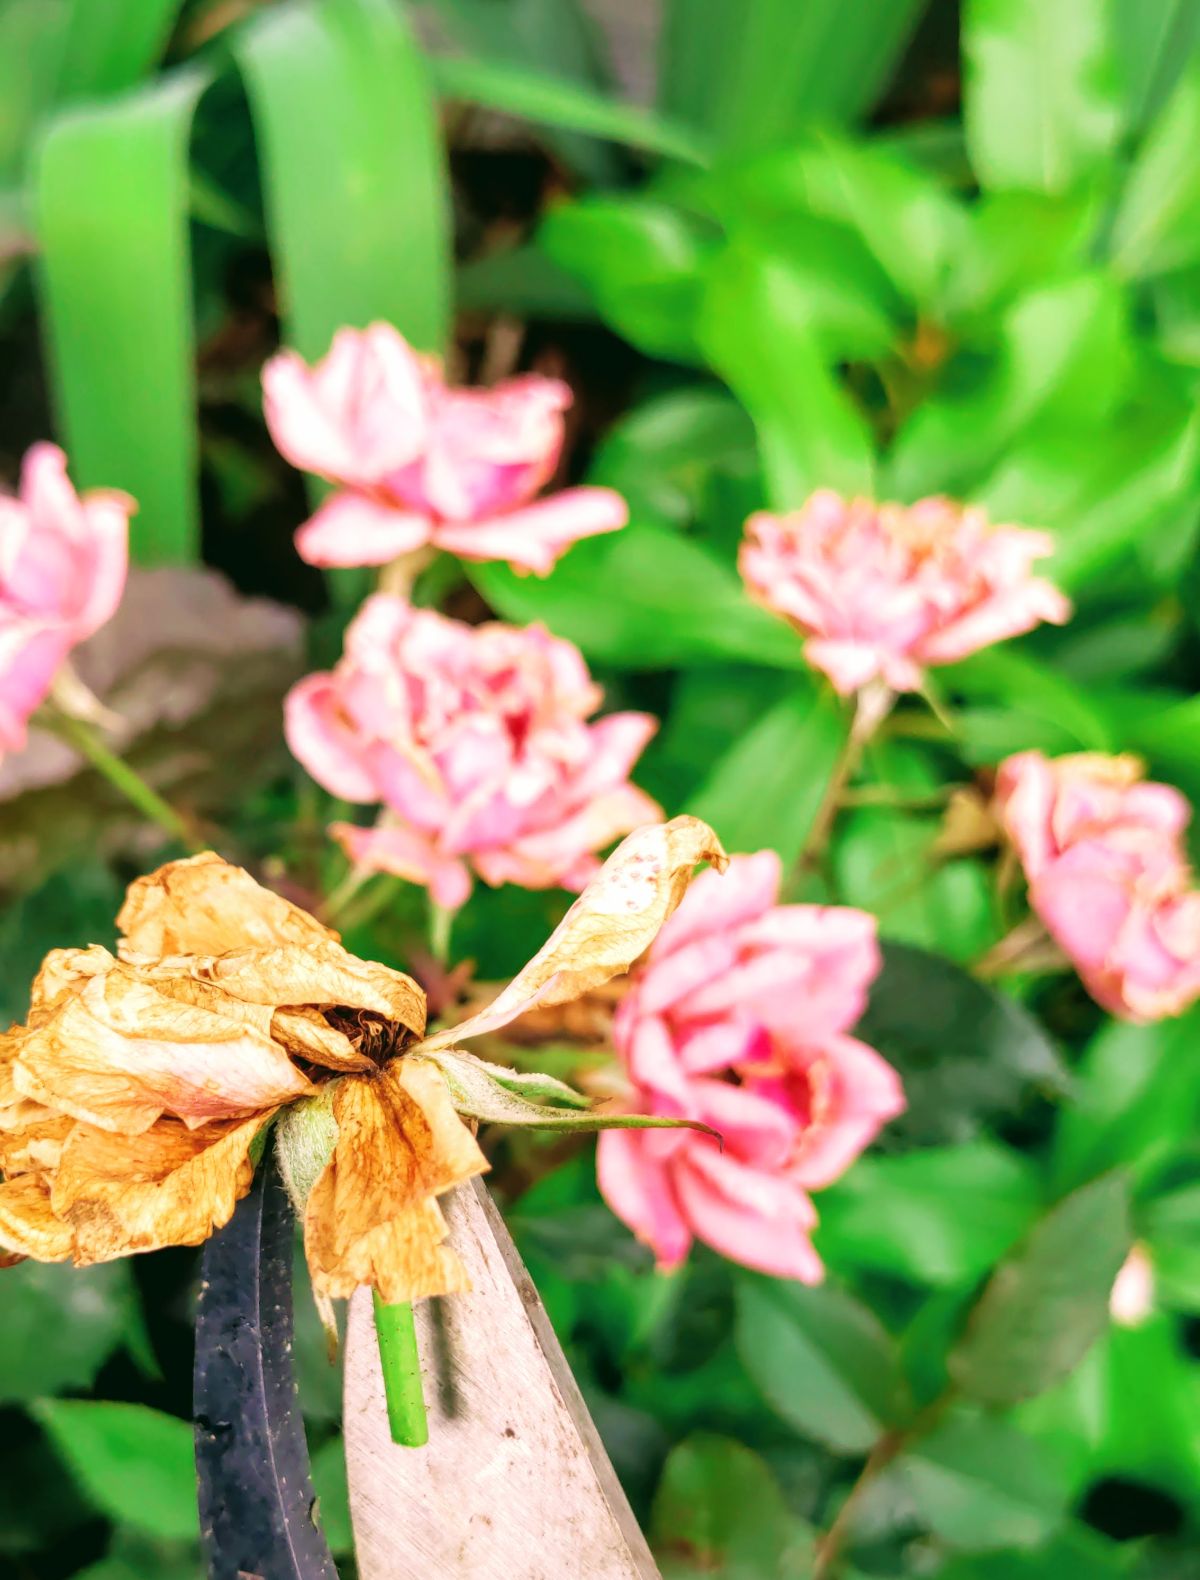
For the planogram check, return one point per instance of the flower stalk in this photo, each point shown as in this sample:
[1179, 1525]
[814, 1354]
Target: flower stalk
[86, 740]
[396, 1330]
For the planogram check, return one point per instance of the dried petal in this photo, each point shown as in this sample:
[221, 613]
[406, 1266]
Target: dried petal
[372, 1217]
[170, 1186]
[203, 906]
[36, 1146]
[306, 1034]
[28, 1227]
[121, 1053]
[612, 922]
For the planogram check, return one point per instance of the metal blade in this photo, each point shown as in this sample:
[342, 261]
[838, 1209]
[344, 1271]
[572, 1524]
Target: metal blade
[514, 1483]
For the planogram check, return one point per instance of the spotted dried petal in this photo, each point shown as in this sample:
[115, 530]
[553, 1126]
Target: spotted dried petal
[613, 921]
[122, 1052]
[28, 1226]
[204, 906]
[372, 1217]
[169, 1186]
[36, 1146]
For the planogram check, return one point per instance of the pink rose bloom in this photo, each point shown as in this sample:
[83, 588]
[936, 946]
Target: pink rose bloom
[476, 741]
[740, 1018]
[1104, 855]
[62, 570]
[420, 463]
[882, 592]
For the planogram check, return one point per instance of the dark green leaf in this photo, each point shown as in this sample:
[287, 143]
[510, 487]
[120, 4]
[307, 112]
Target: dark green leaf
[110, 46]
[1156, 227]
[58, 1325]
[333, 1496]
[1154, 42]
[1076, 1553]
[134, 1464]
[1045, 1306]
[966, 1052]
[821, 1360]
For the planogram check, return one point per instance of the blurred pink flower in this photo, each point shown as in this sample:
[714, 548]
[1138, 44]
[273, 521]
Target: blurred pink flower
[740, 1018]
[421, 463]
[883, 591]
[63, 560]
[1104, 855]
[475, 740]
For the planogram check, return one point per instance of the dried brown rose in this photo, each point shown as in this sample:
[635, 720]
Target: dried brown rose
[132, 1098]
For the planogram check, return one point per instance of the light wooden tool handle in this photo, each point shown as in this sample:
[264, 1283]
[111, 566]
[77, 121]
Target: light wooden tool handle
[514, 1483]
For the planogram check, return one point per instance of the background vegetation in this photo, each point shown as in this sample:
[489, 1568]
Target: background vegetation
[876, 245]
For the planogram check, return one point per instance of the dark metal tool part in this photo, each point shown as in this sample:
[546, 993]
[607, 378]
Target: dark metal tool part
[257, 1505]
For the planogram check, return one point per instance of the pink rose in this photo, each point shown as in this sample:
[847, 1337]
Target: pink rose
[740, 1018]
[1103, 851]
[62, 569]
[421, 463]
[476, 741]
[884, 591]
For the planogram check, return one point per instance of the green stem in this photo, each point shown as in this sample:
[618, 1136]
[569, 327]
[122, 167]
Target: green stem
[336, 902]
[120, 775]
[871, 707]
[401, 1363]
[441, 922]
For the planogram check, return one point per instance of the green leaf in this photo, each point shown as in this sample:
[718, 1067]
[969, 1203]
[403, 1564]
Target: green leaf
[1045, 1306]
[718, 1509]
[951, 1211]
[110, 45]
[1156, 226]
[1041, 98]
[642, 262]
[821, 1361]
[752, 71]
[1154, 40]
[133, 1557]
[767, 788]
[967, 1053]
[754, 326]
[1025, 703]
[134, 1464]
[1075, 1553]
[978, 1483]
[354, 175]
[643, 598]
[554, 101]
[111, 216]
[58, 1325]
[333, 1496]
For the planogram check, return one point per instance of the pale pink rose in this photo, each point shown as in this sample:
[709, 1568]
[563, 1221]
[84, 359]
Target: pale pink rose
[477, 742]
[882, 592]
[740, 1018]
[421, 463]
[63, 560]
[1104, 855]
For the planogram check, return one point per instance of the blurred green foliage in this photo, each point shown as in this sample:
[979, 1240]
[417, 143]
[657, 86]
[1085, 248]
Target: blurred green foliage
[899, 247]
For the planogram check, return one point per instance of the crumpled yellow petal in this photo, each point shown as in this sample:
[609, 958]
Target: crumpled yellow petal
[614, 920]
[36, 1146]
[371, 1216]
[203, 906]
[64, 971]
[306, 1034]
[28, 1226]
[322, 973]
[123, 1052]
[170, 1186]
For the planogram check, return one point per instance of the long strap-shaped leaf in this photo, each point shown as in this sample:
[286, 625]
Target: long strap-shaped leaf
[256, 1496]
[110, 213]
[353, 170]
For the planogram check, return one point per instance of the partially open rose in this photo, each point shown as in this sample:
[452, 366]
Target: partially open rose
[133, 1100]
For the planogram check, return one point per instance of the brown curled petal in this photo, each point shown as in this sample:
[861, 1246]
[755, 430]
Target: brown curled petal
[614, 920]
[306, 1034]
[28, 1225]
[204, 906]
[371, 1216]
[36, 1147]
[121, 1054]
[64, 971]
[170, 1186]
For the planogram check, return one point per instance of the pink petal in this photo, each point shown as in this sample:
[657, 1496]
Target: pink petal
[760, 1220]
[351, 529]
[637, 1188]
[406, 854]
[534, 537]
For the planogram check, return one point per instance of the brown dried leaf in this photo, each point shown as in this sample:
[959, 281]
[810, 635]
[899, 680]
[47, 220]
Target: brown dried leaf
[372, 1217]
[28, 1226]
[170, 1186]
[613, 921]
[204, 906]
[122, 1052]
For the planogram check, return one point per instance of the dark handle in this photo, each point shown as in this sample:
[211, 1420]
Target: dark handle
[257, 1505]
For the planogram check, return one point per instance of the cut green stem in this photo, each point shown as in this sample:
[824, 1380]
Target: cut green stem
[88, 743]
[401, 1362]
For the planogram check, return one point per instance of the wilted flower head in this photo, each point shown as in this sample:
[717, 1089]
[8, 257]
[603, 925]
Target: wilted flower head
[421, 463]
[132, 1100]
[62, 568]
[1103, 851]
[476, 741]
[883, 592]
[740, 1018]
